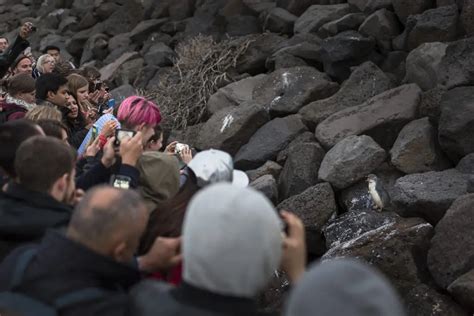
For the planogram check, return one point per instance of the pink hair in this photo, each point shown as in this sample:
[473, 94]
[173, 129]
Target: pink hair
[135, 110]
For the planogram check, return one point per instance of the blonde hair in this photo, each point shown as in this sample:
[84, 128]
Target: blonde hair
[40, 62]
[44, 112]
[75, 82]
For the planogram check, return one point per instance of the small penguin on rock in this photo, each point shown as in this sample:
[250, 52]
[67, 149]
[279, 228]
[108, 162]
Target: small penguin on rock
[378, 193]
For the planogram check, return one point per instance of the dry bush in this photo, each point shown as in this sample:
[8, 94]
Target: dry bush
[201, 68]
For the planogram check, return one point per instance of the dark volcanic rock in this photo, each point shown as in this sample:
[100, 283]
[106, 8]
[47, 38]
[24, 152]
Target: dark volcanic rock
[268, 186]
[351, 21]
[350, 160]
[429, 194]
[318, 15]
[466, 165]
[370, 6]
[306, 137]
[347, 45]
[457, 66]
[383, 26]
[463, 290]
[269, 168]
[279, 20]
[423, 300]
[405, 8]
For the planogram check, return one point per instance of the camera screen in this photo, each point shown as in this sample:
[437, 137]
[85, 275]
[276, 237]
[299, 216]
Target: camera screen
[121, 184]
[123, 134]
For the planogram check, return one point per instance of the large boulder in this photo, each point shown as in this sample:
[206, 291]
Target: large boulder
[452, 247]
[348, 45]
[234, 94]
[457, 66]
[314, 206]
[463, 290]
[383, 26]
[298, 7]
[124, 18]
[268, 186]
[95, 48]
[365, 82]
[144, 28]
[430, 104]
[279, 20]
[160, 55]
[456, 124]
[231, 128]
[351, 21]
[269, 168]
[318, 15]
[352, 225]
[381, 117]
[285, 91]
[109, 71]
[422, 64]
[467, 17]
[429, 194]
[396, 249]
[424, 300]
[369, 6]
[301, 169]
[241, 25]
[416, 149]
[350, 160]
[435, 25]
[405, 8]
[121, 93]
[306, 137]
[268, 141]
[466, 165]
[207, 19]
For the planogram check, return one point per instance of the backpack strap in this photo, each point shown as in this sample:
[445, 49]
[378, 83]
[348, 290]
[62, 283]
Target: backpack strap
[80, 296]
[22, 263]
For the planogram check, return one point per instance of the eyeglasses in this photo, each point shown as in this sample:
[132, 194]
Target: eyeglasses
[52, 62]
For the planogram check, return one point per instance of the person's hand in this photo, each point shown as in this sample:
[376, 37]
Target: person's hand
[93, 148]
[186, 155]
[171, 148]
[108, 157]
[108, 111]
[131, 149]
[26, 29]
[94, 97]
[164, 254]
[77, 197]
[109, 128]
[294, 247]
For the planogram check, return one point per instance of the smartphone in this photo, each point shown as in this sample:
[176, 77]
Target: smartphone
[94, 132]
[120, 182]
[121, 134]
[111, 103]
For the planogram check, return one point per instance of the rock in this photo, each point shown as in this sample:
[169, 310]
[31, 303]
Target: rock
[366, 81]
[298, 7]
[234, 93]
[95, 48]
[307, 51]
[143, 29]
[122, 92]
[457, 66]
[173, 27]
[381, 117]
[396, 249]
[306, 137]
[268, 141]
[462, 289]
[279, 20]
[405, 8]
[128, 72]
[318, 15]
[383, 26]
[416, 149]
[144, 76]
[422, 65]
[350, 160]
[269, 168]
[231, 128]
[119, 45]
[357, 198]
[108, 71]
[456, 128]
[105, 10]
[314, 207]
[466, 165]
[207, 20]
[424, 300]
[452, 247]
[125, 18]
[351, 21]
[285, 91]
[352, 225]
[467, 17]
[430, 105]
[435, 25]
[429, 194]
[268, 186]
[470, 184]
[348, 45]
[241, 25]
[68, 24]
[394, 64]
[370, 6]
[259, 6]
[281, 61]
[301, 169]
[160, 55]
[254, 58]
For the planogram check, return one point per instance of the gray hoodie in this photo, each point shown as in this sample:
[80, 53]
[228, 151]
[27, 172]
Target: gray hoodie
[343, 287]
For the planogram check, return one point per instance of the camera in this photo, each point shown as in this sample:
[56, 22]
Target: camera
[179, 148]
[121, 134]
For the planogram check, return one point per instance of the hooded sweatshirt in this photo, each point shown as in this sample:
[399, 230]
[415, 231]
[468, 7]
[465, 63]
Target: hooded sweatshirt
[343, 287]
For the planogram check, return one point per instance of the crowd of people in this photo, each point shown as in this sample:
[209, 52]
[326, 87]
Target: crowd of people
[99, 217]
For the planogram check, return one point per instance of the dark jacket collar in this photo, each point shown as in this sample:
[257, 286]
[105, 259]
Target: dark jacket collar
[67, 256]
[191, 295]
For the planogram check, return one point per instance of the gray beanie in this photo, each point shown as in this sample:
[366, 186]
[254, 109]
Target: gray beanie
[343, 287]
[232, 241]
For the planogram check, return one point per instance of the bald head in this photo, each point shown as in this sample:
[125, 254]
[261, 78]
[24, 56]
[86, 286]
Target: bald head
[107, 218]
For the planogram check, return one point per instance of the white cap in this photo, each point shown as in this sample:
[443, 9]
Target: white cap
[213, 166]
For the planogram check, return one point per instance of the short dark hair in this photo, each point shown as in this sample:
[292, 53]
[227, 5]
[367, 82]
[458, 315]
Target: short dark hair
[49, 82]
[41, 161]
[8, 41]
[157, 135]
[51, 47]
[12, 134]
[21, 83]
[52, 128]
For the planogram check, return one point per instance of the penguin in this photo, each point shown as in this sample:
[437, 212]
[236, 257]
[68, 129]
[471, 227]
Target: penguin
[378, 193]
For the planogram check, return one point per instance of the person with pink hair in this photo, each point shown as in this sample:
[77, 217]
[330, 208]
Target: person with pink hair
[139, 114]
